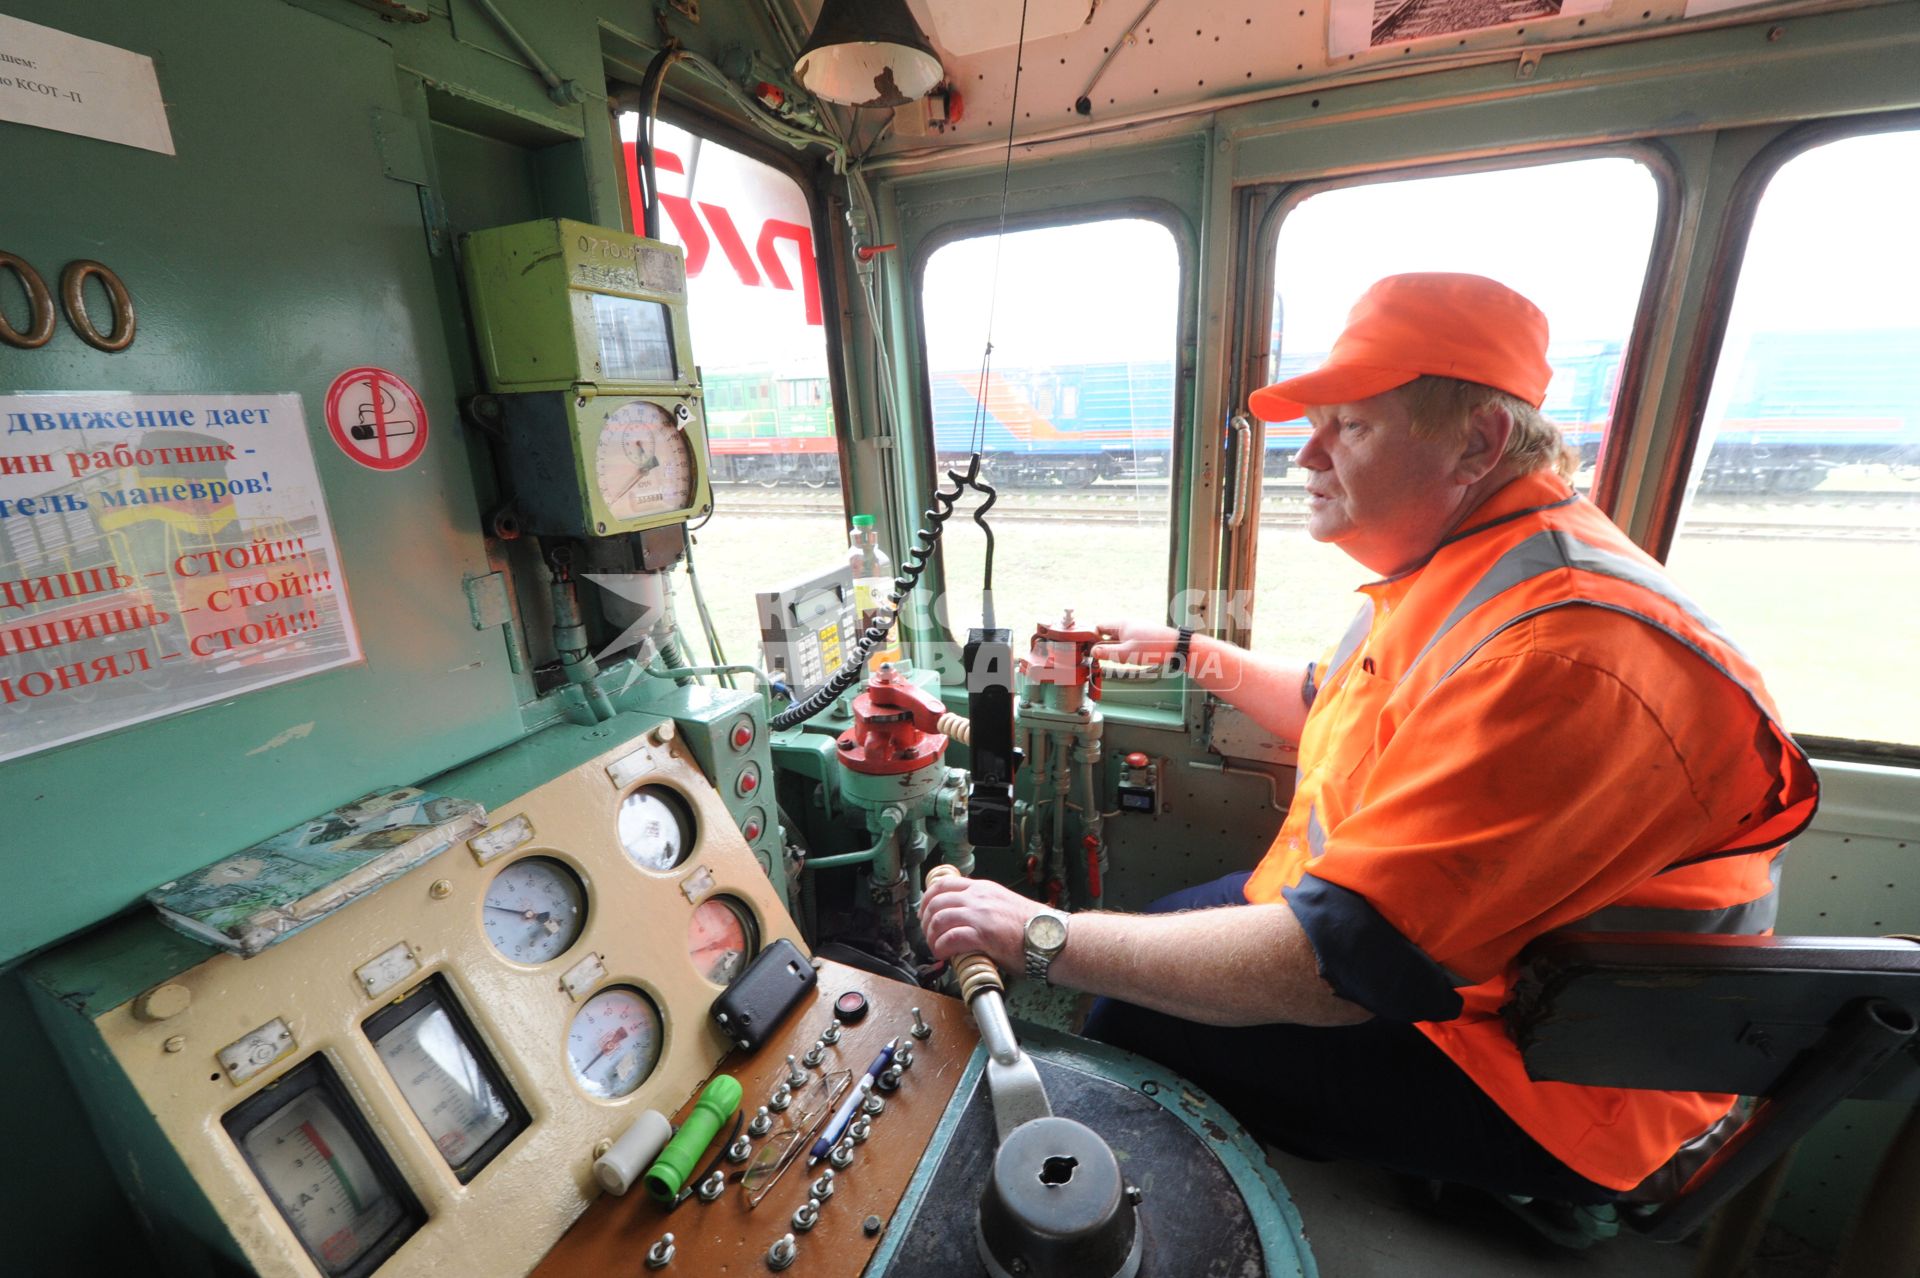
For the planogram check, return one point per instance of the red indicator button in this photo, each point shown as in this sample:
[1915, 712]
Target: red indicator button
[742, 735]
[1137, 760]
[751, 829]
[749, 781]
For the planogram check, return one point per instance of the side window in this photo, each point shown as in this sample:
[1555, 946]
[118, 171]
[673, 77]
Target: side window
[1077, 422]
[1573, 237]
[755, 313]
[1801, 532]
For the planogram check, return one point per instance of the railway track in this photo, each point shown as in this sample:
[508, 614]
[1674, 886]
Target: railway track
[1806, 518]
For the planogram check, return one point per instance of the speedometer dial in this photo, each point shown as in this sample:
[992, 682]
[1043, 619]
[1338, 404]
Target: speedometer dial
[614, 1042]
[534, 910]
[644, 465]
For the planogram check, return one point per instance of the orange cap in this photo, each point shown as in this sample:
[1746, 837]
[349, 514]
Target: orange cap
[1407, 326]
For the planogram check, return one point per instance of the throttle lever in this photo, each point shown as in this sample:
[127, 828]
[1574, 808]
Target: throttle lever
[1012, 1080]
[1055, 1204]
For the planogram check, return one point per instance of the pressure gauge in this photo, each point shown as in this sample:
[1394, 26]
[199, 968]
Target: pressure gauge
[320, 1164]
[534, 910]
[614, 1042]
[721, 938]
[643, 464]
[656, 828]
[447, 1077]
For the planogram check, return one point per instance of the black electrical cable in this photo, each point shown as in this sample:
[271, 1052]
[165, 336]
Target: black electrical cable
[650, 103]
[918, 555]
[980, 518]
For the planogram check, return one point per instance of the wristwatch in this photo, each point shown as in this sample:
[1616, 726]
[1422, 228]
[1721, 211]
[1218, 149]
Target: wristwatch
[1046, 936]
[1183, 646]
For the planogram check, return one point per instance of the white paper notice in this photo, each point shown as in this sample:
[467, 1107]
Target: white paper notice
[157, 552]
[1355, 26]
[58, 81]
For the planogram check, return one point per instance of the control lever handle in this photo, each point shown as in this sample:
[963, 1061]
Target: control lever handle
[974, 972]
[1012, 1080]
[1032, 1218]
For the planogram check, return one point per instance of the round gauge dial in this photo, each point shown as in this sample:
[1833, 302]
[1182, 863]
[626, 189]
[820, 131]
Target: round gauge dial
[614, 1042]
[644, 466]
[656, 828]
[534, 910]
[721, 938]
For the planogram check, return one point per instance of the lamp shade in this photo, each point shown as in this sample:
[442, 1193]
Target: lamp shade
[868, 53]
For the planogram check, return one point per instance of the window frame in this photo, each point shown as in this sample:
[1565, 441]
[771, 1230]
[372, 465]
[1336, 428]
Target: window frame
[1702, 362]
[827, 245]
[1180, 462]
[1265, 207]
[1716, 305]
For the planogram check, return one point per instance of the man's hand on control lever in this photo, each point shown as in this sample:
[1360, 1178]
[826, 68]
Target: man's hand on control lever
[960, 915]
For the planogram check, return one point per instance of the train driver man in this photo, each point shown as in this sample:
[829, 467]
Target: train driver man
[1527, 728]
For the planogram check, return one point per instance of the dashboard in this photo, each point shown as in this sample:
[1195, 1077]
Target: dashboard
[423, 1080]
[426, 1076]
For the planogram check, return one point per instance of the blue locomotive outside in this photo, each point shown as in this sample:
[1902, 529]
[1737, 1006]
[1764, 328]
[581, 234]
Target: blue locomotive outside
[1792, 407]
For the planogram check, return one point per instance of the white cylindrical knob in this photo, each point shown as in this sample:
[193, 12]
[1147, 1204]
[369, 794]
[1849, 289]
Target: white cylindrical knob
[633, 1153]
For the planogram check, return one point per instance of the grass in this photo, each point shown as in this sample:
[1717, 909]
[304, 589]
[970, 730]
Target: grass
[1834, 625]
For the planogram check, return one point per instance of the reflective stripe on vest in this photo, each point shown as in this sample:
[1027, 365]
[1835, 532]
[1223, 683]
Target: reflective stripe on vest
[1357, 631]
[1751, 918]
[1552, 549]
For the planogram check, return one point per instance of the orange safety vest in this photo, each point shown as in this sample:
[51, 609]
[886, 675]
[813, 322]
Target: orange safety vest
[1532, 547]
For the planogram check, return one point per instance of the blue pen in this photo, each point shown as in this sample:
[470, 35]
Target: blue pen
[844, 1115]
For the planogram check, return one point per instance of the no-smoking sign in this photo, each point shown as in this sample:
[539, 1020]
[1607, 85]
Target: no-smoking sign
[376, 418]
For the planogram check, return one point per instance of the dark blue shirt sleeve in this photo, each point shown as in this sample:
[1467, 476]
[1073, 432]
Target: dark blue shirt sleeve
[1365, 958]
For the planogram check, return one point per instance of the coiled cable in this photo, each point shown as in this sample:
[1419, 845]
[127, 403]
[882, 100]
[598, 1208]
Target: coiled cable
[917, 556]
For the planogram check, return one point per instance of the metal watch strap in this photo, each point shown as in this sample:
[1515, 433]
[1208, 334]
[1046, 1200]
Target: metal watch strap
[1038, 963]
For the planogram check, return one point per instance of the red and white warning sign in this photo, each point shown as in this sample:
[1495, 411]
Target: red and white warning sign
[376, 418]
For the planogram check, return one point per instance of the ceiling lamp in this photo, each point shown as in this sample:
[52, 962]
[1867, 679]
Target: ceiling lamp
[868, 53]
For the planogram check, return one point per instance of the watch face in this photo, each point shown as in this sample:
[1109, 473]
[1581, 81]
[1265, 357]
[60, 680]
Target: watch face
[1046, 932]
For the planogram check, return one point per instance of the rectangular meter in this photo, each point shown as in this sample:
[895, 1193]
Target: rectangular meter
[449, 1080]
[583, 333]
[557, 304]
[334, 1183]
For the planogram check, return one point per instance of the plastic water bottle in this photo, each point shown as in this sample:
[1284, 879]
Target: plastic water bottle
[872, 585]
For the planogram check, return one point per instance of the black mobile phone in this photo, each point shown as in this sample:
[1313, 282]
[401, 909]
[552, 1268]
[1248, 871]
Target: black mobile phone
[779, 979]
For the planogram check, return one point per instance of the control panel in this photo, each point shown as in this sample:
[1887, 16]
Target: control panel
[511, 1059]
[794, 1181]
[423, 1080]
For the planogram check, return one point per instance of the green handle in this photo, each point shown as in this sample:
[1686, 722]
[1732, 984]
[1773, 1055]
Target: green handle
[716, 1105]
